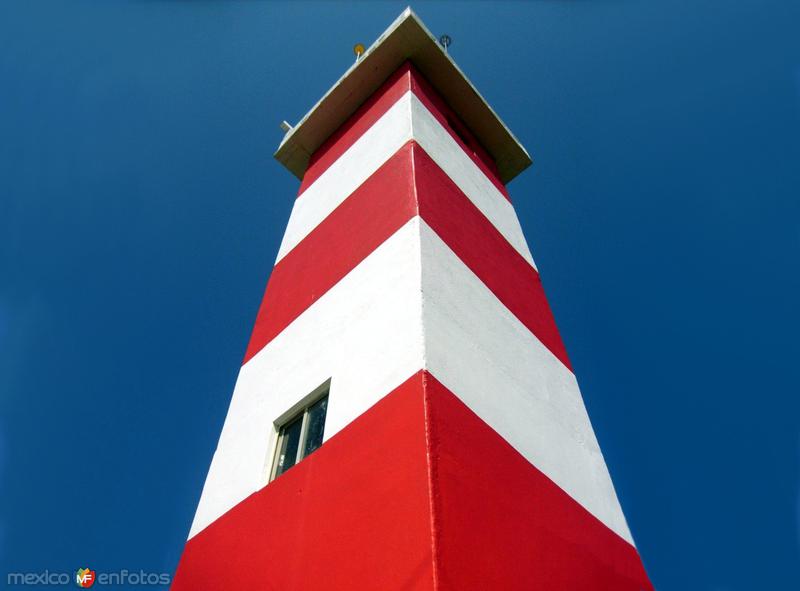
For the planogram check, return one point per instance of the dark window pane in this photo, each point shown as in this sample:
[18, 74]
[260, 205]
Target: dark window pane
[316, 425]
[290, 440]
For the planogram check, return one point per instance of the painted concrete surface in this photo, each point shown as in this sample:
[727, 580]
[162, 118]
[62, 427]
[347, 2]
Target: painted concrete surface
[443, 149]
[365, 334]
[417, 493]
[472, 343]
[502, 524]
[503, 373]
[420, 301]
[407, 119]
[334, 185]
[353, 515]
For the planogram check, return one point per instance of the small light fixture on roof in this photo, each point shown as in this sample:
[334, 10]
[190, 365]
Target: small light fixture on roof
[359, 50]
[445, 42]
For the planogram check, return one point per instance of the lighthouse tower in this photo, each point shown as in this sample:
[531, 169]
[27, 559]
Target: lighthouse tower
[406, 416]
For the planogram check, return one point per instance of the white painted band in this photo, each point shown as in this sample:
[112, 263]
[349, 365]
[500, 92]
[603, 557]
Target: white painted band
[365, 334]
[407, 119]
[375, 146]
[448, 155]
[502, 372]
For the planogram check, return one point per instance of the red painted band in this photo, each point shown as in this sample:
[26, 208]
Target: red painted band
[503, 524]
[353, 515]
[482, 248]
[417, 493]
[375, 211]
[361, 223]
[397, 85]
[457, 130]
[405, 78]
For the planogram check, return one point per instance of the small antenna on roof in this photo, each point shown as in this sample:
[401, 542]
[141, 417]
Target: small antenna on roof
[358, 49]
[445, 42]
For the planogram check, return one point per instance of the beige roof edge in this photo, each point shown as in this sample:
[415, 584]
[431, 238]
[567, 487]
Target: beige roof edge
[407, 38]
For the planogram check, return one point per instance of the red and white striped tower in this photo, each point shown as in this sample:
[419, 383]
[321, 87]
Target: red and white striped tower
[457, 451]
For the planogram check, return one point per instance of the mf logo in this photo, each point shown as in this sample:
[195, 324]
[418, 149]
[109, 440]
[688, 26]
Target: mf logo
[84, 577]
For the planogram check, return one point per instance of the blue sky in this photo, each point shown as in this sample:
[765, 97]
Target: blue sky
[140, 213]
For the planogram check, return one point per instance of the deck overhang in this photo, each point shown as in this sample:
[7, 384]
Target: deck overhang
[407, 38]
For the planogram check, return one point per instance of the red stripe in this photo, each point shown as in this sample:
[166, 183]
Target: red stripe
[505, 525]
[353, 515]
[375, 211]
[361, 223]
[457, 130]
[482, 248]
[359, 123]
[405, 78]
[415, 489]
[378, 208]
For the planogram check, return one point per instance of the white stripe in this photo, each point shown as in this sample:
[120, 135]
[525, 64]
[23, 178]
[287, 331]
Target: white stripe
[411, 304]
[497, 367]
[375, 146]
[472, 181]
[407, 119]
[365, 334]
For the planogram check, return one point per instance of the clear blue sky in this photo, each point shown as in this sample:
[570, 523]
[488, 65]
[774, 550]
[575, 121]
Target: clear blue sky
[140, 213]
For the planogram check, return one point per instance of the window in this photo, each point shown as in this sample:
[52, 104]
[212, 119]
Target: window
[300, 435]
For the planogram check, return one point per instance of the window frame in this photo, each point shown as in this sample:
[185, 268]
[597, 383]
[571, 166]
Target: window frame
[299, 410]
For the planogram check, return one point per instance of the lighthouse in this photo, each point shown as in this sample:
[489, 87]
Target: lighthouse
[406, 416]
